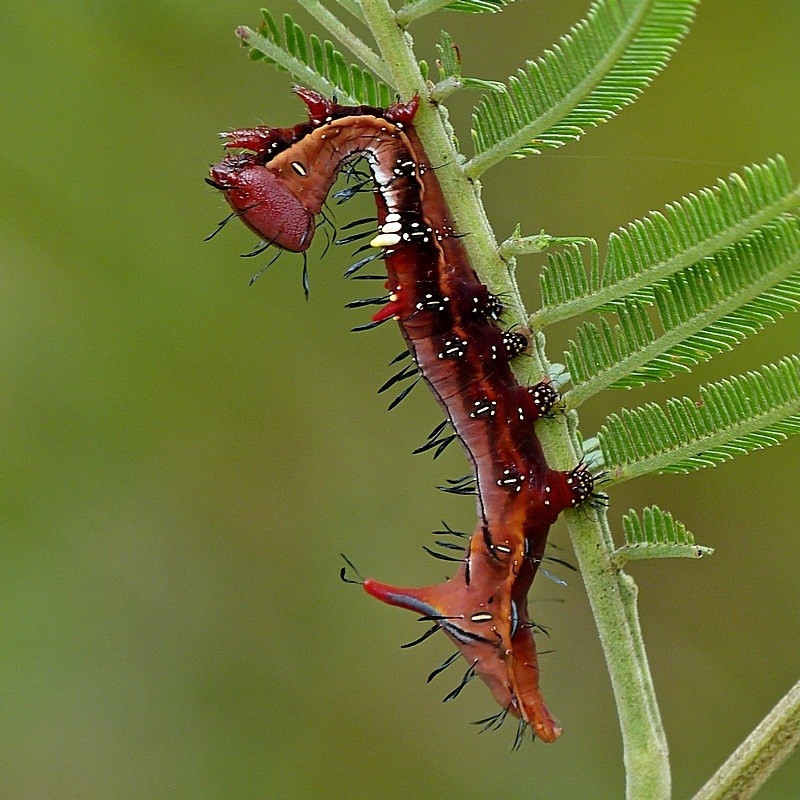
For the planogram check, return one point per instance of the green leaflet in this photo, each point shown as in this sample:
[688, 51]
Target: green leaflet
[600, 66]
[479, 6]
[315, 63]
[656, 535]
[651, 249]
[702, 310]
[730, 417]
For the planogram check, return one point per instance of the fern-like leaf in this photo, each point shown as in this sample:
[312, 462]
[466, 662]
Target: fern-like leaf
[703, 310]
[731, 417]
[600, 66]
[656, 535]
[313, 62]
[420, 8]
[655, 247]
[479, 6]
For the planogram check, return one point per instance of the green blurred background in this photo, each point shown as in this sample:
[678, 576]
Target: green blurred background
[184, 456]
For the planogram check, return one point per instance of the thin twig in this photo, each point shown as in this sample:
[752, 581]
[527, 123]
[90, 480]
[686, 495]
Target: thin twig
[760, 754]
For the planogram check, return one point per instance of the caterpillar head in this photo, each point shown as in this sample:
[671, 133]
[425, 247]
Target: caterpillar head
[262, 201]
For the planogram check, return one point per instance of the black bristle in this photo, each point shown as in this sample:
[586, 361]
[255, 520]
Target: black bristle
[256, 251]
[468, 676]
[441, 556]
[442, 667]
[400, 357]
[493, 722]
[354, 237]
[428, 633]
[362, 263]
[306, 285]
[356, 222]
[408, 371]
[402, 396]
[367, 301]
[368, 326]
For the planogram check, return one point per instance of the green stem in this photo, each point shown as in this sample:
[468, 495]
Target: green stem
[612, 594]
[760, 754]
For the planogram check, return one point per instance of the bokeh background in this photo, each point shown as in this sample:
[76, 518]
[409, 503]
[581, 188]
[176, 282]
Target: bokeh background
[185, 456]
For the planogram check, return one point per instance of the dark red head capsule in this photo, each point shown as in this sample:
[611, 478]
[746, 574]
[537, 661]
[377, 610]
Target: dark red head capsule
[263, 203]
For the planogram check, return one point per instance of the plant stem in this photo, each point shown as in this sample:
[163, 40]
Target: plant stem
[612, 594]
[760, 754]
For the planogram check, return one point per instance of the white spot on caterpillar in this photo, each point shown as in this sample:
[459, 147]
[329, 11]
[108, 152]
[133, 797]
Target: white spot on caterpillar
[483, 408]
[391, 227]
[511, 479]
[385, 240]
[393, 217]
[299, 169]
[453, 348]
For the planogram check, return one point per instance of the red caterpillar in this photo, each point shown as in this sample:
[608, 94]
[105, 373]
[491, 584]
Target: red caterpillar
[449, 321]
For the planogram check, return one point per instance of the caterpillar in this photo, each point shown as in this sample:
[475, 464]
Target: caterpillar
[277, 185]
